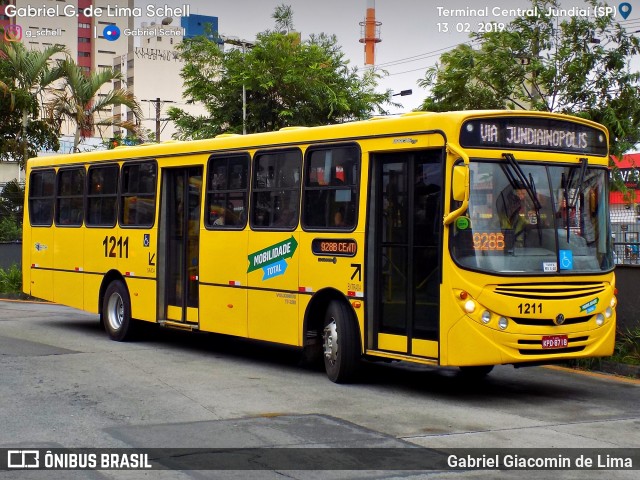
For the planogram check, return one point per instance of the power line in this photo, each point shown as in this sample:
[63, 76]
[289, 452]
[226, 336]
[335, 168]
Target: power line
[158, 102]
[408, 71]
[421, 56]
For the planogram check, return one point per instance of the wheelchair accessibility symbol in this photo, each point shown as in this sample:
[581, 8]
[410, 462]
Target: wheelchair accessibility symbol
[566, 260]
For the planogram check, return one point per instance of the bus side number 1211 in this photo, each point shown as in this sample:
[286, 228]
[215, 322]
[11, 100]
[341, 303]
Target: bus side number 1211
[116, 247]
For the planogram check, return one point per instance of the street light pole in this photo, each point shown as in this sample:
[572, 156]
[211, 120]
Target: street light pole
[244, 44]
[244, 97]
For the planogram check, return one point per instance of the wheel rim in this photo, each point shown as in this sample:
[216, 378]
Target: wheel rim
[330, 336]
[115, 311]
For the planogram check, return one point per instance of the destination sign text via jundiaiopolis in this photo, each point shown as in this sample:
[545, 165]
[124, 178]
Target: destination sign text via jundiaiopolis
[531, 133]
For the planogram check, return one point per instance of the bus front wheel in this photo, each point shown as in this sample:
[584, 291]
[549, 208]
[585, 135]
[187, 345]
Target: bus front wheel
[116, 312]
[340, 342]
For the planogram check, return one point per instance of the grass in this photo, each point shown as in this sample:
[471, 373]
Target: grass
[626, 351]
[11, 280]
[627, 348]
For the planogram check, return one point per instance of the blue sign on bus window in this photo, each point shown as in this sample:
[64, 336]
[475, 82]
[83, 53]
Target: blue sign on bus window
[566, 260]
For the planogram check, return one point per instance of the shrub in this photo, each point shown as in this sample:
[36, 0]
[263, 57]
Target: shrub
[627, 348]
[11, 280]
[10, 230]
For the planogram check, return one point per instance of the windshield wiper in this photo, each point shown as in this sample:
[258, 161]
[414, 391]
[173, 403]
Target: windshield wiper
[528, 183]
[529, 187]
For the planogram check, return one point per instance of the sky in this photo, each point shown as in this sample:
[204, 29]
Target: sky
[412, 32]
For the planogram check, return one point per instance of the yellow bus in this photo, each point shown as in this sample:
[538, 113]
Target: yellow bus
[466, 239]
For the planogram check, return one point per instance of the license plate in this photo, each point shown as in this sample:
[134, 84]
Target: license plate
[555, 341]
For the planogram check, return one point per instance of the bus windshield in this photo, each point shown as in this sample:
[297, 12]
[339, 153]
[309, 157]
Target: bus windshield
[534, 219]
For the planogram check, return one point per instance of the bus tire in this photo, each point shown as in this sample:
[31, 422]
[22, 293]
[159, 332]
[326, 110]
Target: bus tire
[340, 343]
[116, 312]
[476, 372]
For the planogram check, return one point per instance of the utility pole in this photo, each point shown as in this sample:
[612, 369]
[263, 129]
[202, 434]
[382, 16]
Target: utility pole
[158, 104]
[244, 44]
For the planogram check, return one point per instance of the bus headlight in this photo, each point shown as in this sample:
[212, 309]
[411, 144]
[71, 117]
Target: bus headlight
[503, 323]
[614, 302]
[486, 316]
[599, 319]
[608, 312]
[470, 306]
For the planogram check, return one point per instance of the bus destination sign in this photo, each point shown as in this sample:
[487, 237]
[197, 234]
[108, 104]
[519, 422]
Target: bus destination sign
[531, 133]
[333, 247]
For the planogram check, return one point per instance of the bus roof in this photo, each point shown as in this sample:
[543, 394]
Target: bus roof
[409, 123]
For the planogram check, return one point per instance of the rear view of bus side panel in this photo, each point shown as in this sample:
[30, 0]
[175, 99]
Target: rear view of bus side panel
[37, 262]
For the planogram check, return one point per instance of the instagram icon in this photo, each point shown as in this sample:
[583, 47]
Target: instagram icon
[13, 33]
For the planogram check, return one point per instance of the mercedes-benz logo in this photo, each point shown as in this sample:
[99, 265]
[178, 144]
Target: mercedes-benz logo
[559, 319]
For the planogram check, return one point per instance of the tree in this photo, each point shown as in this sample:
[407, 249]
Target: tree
[288, 82]
[577, 66]
[12, 200]
[11, 211]
[283, 15]
[79, 102]
[24, 77]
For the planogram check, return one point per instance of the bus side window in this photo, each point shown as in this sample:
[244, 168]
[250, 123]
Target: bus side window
[138, 189]
[276, 189]
[102, 196]
[70, 196]
[227, 191]
[41, 197]
[331, 188]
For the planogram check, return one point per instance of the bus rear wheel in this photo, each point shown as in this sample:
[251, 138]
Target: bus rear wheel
[341, 343]
[116, 312]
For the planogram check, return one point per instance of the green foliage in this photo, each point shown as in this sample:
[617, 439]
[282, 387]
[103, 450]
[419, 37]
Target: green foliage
[10, 230]
[11, 209]
[288, 82]
[78, 101]
[579, 66]
[118, 141]
[11, 280]
[283, 15]
[24, 76]
[12, 201]
[627, 349]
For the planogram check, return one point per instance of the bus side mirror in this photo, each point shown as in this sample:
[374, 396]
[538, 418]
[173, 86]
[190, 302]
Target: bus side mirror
[459, 191]
[460, 182]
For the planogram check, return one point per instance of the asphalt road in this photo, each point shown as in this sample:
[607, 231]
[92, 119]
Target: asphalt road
[64, 384]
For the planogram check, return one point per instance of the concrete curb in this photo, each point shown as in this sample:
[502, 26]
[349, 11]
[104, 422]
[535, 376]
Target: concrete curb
[19, 297]
[620, 369]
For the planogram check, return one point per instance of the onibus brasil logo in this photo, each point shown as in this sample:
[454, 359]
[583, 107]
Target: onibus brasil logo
[272, 259]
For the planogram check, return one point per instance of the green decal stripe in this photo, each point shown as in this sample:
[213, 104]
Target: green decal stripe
[272, 254]
[589, 304]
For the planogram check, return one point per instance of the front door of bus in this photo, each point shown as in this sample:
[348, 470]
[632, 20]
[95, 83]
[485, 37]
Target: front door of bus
[180, 232]
[407, 242]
